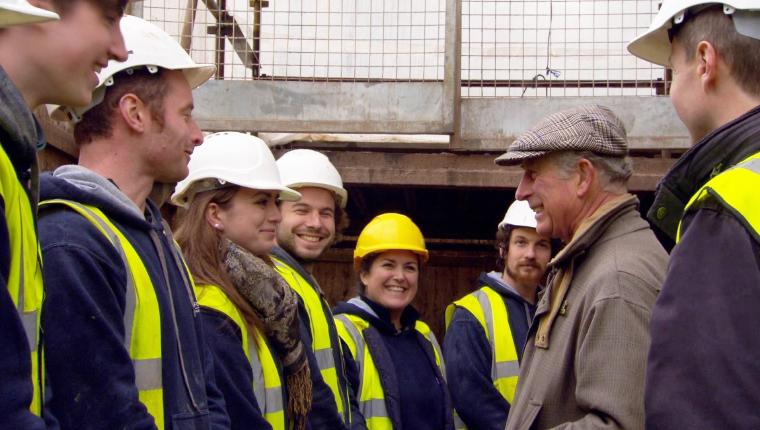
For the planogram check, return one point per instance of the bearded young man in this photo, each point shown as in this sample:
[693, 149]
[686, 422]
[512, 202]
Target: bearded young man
[486, 329]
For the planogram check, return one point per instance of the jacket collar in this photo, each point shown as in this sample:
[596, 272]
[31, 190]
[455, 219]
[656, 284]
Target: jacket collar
[20, 134]
[598, 227]
[719, 150]
[497, 284]
[378, 316]
[593, 227]
[284, 256]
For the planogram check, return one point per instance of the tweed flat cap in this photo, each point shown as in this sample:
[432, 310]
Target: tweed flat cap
[591, 128]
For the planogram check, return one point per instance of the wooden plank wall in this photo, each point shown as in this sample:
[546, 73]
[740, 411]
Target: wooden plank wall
[448, 276]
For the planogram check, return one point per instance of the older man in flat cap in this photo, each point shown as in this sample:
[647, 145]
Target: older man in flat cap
[585, 358]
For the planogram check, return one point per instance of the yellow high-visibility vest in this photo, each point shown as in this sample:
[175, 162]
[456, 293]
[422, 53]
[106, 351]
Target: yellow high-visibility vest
[321, 323]
[142, 319]
[25, 271]
[371, 395]
[737, 190]
[487, 306]
[267, 380]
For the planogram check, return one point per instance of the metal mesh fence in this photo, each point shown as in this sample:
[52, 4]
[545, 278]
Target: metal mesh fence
[510, 48]
[349, 40]
[539, 48]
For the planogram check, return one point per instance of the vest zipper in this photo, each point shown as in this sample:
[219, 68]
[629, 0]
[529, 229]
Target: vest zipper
[183, 370]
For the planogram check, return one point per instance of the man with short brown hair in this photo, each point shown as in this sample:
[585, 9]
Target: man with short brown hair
[703, 365]
[123, 335]
[585, 357]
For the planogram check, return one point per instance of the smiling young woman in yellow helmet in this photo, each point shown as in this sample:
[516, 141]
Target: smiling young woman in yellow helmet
[400, 381]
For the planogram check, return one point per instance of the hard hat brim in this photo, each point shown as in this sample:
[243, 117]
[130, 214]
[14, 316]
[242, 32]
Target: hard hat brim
[340, 193]
[358, 257]
[653, 46]
[16, 14]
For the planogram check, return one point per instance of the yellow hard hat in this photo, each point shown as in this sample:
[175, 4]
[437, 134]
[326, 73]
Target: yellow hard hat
[389, 231]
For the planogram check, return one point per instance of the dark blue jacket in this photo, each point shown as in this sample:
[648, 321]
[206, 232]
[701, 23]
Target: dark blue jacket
[324, 412]
[703, 369]
[468, 358]
[233, 371]
[414, 388]
[19, 136]
[89, 370]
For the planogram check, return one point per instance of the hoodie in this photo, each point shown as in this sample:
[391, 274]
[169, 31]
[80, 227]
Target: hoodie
[20, 136]
[468, 357]
[414, 388]
[90, 372]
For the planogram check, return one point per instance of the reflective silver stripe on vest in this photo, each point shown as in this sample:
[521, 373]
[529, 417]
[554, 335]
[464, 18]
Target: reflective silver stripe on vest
[325, 358]
[753, 165]
[434, 343]
[28, 319]
[506, 369]
[373, 407]
[148, 374]
[269, 399]
[502, 369]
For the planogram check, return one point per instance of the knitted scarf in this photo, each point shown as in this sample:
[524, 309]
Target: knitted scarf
[276, 306]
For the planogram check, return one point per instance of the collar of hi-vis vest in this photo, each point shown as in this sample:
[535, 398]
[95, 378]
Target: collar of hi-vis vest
[563, 264]
[716, 152]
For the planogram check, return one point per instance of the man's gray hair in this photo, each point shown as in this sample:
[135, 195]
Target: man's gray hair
[614, 171]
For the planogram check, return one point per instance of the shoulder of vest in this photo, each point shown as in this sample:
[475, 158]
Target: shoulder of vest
[358, 322]
[213, 297]
[422, 327]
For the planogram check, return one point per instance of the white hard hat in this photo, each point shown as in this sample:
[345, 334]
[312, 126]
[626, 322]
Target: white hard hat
[147, 46]
[13, 12]
[654, 45]
[307, 168]
[235, 158]
[519, 214]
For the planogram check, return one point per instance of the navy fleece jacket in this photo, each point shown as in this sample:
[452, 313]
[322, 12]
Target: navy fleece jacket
[468, 357]
[20, 136]
[91, 376]
[233, 371]
[324, 412]
[415, 390]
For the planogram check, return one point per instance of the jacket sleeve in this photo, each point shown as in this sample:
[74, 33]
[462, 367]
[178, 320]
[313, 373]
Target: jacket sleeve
[703, 366]
[88, 367]
[610, 363]
[232, 371]
[467, 354]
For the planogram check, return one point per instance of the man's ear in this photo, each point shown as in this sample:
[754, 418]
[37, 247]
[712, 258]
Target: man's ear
[586, 177]
[708, 64]
[134, 112]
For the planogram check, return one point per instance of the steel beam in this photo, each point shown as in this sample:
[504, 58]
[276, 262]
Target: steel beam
[458, 170]
[322, 107]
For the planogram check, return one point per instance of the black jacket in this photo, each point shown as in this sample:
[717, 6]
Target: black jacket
[703, 369]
